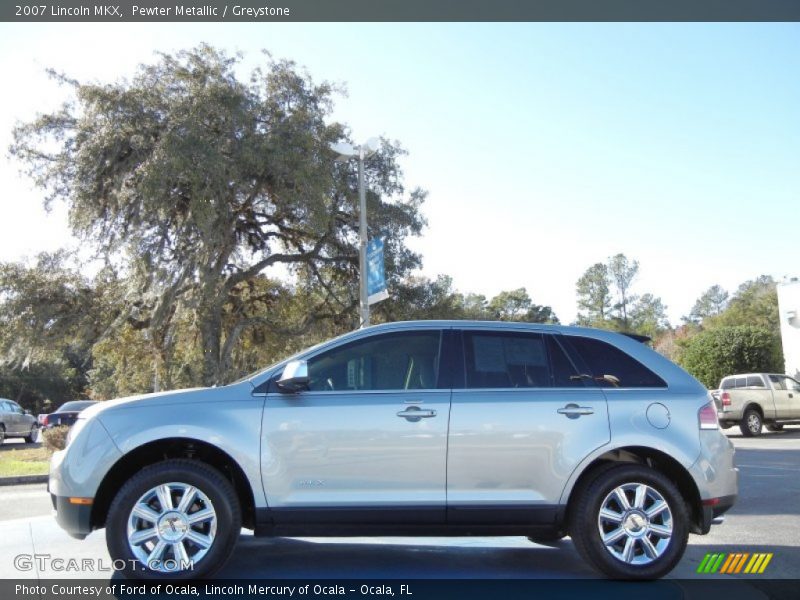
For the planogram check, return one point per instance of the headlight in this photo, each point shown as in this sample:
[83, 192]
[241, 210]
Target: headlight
[75, 430]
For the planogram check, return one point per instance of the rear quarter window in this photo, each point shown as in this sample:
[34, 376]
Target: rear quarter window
[612, 367]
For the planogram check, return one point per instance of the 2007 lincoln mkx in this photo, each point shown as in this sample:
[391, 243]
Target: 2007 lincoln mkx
[420, 428]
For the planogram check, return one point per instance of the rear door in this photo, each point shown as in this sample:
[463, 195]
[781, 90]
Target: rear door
[522, 418]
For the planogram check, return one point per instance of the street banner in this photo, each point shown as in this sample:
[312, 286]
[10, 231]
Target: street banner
[376, 276]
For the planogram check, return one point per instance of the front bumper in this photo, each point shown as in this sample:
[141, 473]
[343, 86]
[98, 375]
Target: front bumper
[75, 519]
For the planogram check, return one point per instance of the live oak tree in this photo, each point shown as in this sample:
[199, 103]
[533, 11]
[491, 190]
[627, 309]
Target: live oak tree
[193, 182]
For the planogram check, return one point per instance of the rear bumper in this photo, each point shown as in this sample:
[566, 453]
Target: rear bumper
[75, 519]
[714, 508]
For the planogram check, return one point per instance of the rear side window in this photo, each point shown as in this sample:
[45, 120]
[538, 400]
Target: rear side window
[728, 384]
[611, 367]
[755, 381]
[741, 382]
[516, 360]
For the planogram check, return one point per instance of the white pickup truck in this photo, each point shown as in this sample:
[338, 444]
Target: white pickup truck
[753, 400]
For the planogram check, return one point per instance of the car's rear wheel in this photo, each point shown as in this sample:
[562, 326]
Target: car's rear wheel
[630, 522]
[2, 434]
[751, 423]
[178, 519]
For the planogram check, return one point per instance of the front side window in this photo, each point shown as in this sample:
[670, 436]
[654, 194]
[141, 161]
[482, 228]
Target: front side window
[611, 367]
[516, 360]
[392, 361]
[781, 382]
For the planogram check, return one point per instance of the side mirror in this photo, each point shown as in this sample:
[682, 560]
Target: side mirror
[294, 377]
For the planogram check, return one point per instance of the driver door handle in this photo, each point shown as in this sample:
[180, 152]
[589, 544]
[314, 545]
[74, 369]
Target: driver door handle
[573, 411]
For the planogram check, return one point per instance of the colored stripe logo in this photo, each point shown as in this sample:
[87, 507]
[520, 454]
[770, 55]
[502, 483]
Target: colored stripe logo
[736, 562]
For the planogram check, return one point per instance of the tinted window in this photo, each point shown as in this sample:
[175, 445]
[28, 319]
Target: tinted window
[394, 361]
[564, 372]
[516, 360]
[611, 367]
[728, 384]
[755, 381]
[741, 382]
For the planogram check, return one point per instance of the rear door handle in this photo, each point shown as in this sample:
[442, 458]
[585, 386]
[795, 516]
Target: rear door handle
[573, 411]
[414, 413]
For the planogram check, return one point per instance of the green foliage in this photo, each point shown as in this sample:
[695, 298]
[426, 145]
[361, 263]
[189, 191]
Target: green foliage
[422, 298]
[594, 296]
[606, 301]
[716, 353]
[622, 272]
[198, 182]
[754, 303]
[711, 303]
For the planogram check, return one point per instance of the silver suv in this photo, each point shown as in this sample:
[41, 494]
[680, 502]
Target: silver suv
[422, 428]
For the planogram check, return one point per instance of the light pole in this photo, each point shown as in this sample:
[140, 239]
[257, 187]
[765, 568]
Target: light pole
[362, 151]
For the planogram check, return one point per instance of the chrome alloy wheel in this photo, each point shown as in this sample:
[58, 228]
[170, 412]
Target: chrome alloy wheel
[754, 423]
[635, 523]
[170, 526]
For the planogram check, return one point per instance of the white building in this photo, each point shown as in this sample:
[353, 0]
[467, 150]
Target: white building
[789, 313]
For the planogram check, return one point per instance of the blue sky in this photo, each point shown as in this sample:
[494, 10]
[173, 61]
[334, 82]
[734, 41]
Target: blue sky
[545, 147]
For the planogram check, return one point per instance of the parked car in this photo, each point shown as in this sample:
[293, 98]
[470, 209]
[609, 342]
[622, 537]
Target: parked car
[419, 428]
[753, 400]
[17, 423]
[66, 414]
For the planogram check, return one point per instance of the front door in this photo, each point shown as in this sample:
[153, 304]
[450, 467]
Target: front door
[786, 392]
[518, 428]
[367, 442]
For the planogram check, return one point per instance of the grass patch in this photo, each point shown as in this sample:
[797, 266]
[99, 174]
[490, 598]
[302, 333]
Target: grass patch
[25, 461]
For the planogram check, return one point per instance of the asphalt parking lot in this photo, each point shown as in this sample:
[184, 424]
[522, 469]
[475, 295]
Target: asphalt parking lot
[765, 519]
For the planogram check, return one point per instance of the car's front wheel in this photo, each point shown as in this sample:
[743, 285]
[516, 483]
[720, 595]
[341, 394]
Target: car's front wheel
[178, 519]
[630, 522]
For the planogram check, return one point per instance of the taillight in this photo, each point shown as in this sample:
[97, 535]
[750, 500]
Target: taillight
[726, 399]
[708, 417]
[44, 420]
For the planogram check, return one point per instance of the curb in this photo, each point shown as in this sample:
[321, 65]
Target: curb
[23, 479]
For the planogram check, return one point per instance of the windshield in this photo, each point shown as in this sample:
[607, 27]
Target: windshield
[76, 405]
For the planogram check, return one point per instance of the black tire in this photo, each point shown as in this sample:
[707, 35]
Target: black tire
[751, 423]
[774, 427]
[204, 478]
[547, 539]
[33, 436]
[2, 434]
[585, 524]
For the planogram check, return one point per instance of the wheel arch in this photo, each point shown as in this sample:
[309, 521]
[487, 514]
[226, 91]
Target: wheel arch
[755, 406]
[653, 458]
[162, 449]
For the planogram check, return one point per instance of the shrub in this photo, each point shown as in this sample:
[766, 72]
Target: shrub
[55, 438]
[713, 354]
